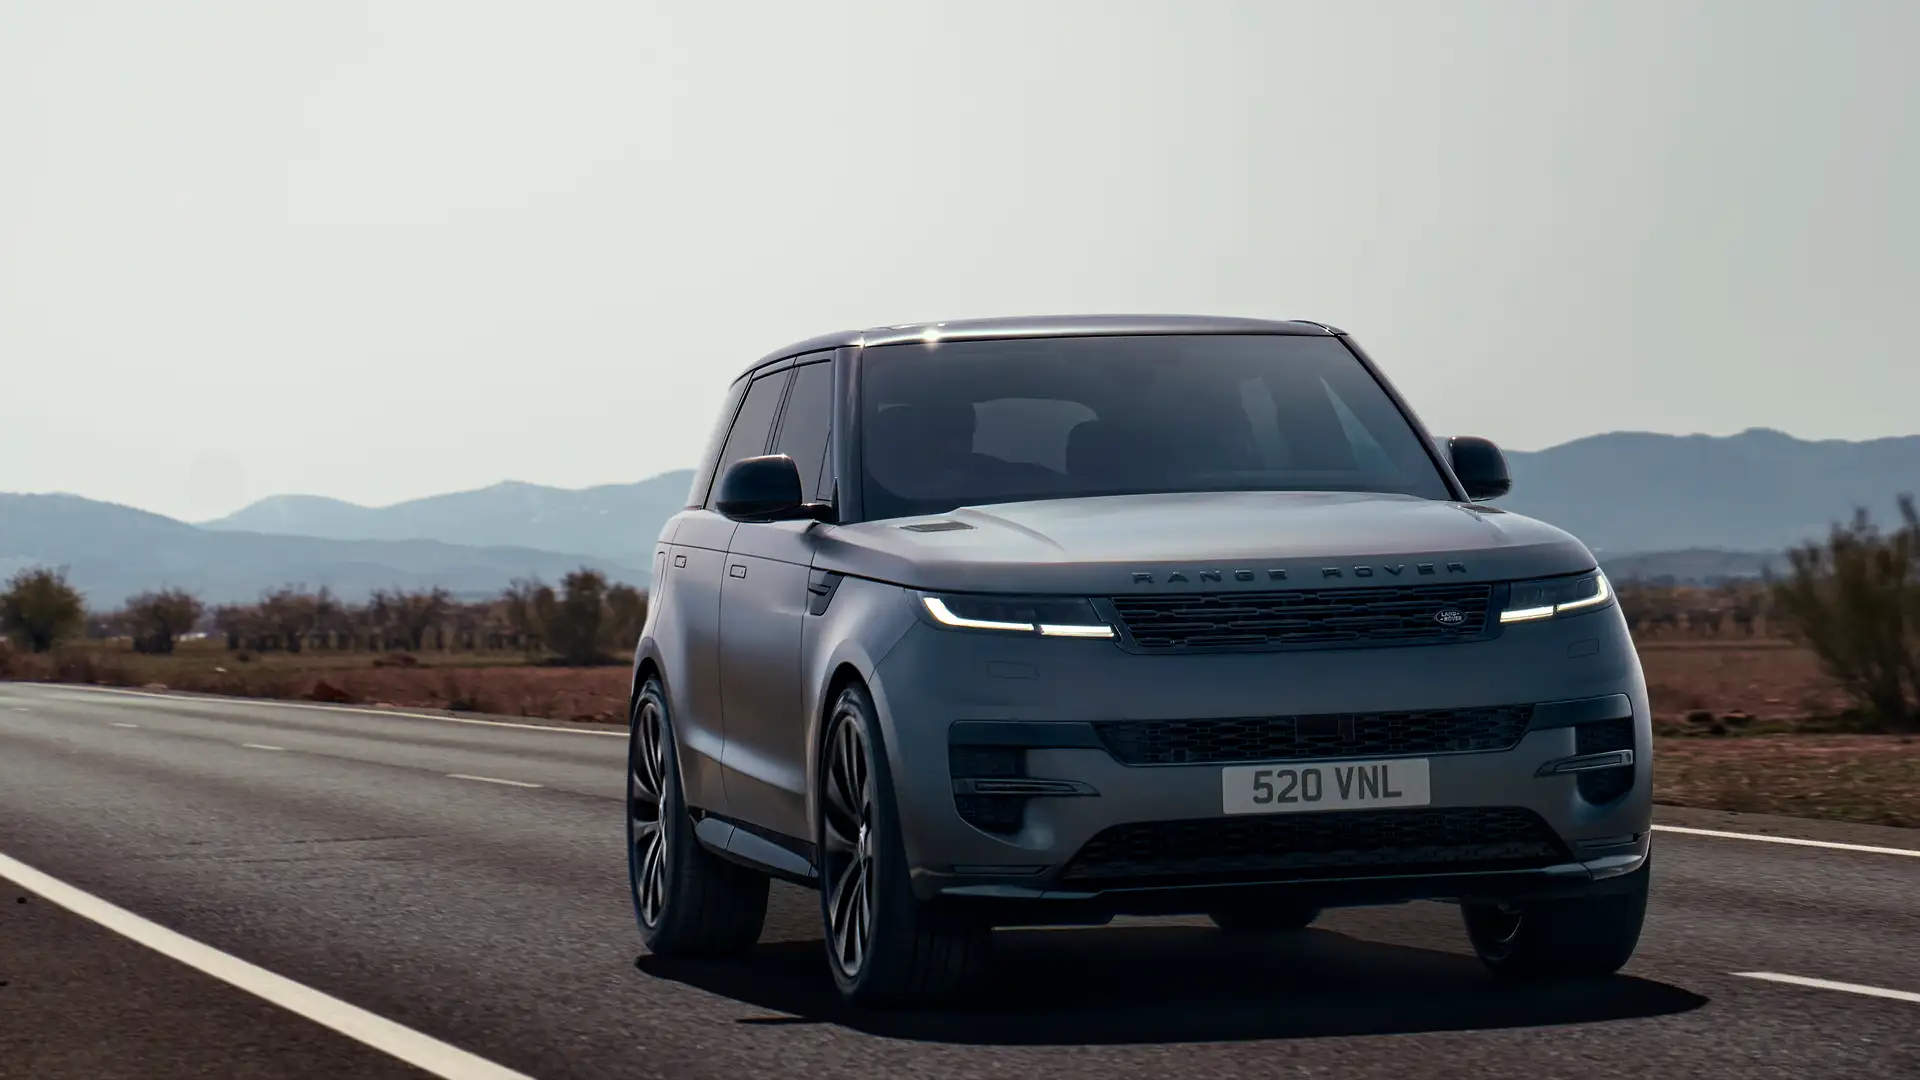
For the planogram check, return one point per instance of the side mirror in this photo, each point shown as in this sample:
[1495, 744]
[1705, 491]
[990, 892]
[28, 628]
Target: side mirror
[1481, 467]
[764, 489]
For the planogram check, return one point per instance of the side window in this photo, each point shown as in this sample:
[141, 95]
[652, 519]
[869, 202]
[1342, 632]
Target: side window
[754, 425]
[710, 455]
[805, 426]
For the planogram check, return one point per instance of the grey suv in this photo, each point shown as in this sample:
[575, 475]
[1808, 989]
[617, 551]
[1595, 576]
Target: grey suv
[1047, 620]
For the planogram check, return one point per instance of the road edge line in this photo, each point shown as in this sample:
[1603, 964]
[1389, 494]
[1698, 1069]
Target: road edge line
[369, 1029]
[279, 703]
[1795, 841]
[1828, 984]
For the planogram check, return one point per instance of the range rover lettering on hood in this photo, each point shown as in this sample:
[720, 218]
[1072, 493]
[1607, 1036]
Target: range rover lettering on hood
[1391, 570]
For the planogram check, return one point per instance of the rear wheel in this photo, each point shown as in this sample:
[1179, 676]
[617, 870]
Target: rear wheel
[1275, 917]
[1583, 936]
[689, 902]
[884, 946]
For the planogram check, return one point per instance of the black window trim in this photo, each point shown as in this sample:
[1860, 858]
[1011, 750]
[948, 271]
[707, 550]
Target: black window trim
[730, 417]
[781, 370]
[809, 484]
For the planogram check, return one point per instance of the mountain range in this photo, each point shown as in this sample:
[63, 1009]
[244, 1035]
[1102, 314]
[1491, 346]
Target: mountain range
[618, 522]
[111, 552]
[1692, 507]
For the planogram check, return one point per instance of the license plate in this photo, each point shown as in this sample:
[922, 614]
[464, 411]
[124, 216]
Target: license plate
[1326, 785]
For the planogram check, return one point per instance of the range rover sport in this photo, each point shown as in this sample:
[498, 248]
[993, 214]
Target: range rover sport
[1047, 620]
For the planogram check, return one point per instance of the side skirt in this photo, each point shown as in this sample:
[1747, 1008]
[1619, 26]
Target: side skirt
[785, 857]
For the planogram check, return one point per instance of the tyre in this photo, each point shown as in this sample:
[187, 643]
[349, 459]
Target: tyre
[1278, 916]
[689, 901]
[1583, 936]
[884, 946]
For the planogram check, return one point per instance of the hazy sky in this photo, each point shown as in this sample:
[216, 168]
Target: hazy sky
[380, 250]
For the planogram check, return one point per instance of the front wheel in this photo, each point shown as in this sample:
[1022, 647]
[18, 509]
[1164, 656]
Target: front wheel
[1582, 936]
[689, 901]
[884, 946]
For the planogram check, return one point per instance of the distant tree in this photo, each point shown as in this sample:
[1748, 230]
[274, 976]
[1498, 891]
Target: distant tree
[526, 606]
[157, 619]
[1855, 601]
[39, 608]
[288, 615]
[626, 615]
[233, 621]
[573, 629]
[415, 613]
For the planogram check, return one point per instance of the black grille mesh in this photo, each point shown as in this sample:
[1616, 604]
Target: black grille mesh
[1302, 618]
[1601, 786]
[1603, 735]
[999, 814]
[1268, 738]
[1351, 843]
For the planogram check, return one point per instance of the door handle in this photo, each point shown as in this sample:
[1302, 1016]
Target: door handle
[679, 562]
[738, 570]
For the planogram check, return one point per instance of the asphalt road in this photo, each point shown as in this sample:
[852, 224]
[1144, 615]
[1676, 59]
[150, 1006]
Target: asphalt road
[365, 857]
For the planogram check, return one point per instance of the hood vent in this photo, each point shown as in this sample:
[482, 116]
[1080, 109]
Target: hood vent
[937, 526]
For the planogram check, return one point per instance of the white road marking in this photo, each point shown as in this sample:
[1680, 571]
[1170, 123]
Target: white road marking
[1828, 984]
[117, 723]
[260, 746]
[21, 708]
[277, 704]
[1793, 840]
[410, 1046]
[490, 780]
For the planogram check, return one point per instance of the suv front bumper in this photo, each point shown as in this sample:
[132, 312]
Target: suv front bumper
[1499, 824]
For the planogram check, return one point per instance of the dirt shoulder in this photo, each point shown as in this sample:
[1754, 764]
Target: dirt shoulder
[1872, 779]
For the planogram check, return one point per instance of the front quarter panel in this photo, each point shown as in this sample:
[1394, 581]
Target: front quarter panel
[865, 620]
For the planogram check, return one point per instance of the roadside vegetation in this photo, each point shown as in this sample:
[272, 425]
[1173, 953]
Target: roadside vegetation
[533, 650]
[1798, 694]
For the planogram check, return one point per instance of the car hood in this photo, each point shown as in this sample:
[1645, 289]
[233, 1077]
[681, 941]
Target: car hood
[1201, 541]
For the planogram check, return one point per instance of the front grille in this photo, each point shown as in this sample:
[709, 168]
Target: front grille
[1307, 618]
[1362, 843]
[1602, 786]
[1270, 738]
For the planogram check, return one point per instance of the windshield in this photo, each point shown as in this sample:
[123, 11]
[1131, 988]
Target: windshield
[965, 423]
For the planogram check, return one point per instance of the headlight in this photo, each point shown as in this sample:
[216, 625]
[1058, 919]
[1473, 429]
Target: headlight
[1047, 616]
[1547, 597]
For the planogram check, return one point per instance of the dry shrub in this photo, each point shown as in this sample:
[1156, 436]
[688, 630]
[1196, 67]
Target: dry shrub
[1855, 602]
[464, 692]
[87, 666]
[23, 666]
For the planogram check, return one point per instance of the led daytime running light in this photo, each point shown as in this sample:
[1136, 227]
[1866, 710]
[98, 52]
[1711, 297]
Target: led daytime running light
[1533, 614]
[945, 616]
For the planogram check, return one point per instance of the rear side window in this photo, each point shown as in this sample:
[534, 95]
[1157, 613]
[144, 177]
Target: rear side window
[805, 426]
[754, 425]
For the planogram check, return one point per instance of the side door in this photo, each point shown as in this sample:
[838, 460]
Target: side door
[763, 609]
[696, 567]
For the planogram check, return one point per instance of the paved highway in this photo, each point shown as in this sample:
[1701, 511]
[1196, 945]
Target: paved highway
[268, 890]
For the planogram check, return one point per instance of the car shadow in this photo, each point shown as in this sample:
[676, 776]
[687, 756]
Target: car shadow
[1161, 984]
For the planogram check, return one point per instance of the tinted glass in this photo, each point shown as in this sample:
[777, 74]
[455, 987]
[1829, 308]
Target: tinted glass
[754, 425]
[805, 424]
[962, 423]
[710, 454]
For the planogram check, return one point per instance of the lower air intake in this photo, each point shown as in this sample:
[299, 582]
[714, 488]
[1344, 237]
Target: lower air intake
[1363, 843]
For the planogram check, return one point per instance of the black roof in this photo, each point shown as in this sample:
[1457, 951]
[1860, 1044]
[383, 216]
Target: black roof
[1047, 326]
